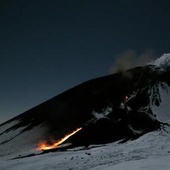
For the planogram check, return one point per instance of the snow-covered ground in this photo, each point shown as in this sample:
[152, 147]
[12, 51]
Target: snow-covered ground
[19, 143]
[151, 151]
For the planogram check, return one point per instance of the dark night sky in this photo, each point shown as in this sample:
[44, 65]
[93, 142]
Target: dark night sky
[49, 46]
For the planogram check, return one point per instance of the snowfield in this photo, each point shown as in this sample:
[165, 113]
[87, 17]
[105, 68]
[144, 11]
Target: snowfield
[151, 151]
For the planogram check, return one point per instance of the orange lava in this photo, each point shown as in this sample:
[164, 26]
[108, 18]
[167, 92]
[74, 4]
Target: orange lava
[47, 146]
[126, 98]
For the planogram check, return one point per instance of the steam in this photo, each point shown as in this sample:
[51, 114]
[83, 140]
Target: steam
[129, 59]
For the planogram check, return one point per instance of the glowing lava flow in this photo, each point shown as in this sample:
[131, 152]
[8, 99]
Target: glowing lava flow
[46, 146]
[126, 98]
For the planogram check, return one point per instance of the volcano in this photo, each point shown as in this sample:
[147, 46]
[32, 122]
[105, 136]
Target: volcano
[118, 107]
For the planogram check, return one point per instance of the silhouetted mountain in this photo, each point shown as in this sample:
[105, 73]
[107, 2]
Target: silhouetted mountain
[109, 108]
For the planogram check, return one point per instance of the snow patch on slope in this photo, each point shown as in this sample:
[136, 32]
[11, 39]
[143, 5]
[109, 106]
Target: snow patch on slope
[162, 112]
[103, 114]
[24, 142]
[6, 126]
[163, 61]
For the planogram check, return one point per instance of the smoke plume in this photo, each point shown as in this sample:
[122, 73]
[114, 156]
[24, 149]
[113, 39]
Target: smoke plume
[129, 59]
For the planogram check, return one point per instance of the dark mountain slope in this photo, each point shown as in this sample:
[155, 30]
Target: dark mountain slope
[108, 108]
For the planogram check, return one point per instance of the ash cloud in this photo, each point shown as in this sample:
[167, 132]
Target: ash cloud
[129, 59]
